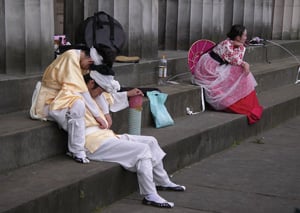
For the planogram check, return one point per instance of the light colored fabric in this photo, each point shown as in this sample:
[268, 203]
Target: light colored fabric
[76, 129]
[112, 102]
[95, 139]
[137, 154]
[120, 101]
[160, 176]
[127, 150]
[34, 99]
[95, 56]
[90, 104]
[94, 134]
[107, 82]
[145, 177]
[228, 52]
[61, 83]
[223, 84]
[102, 103]
[108, 97]
[72, 120]
[90, 119]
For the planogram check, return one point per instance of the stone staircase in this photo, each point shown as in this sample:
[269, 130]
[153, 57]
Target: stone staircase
[36, 176]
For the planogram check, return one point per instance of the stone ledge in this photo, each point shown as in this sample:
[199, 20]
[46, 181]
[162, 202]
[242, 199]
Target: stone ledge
[48, 185]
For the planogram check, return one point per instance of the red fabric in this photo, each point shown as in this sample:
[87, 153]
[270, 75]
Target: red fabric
[248, 106]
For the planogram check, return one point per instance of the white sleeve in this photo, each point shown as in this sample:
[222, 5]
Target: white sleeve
[102, 103]
[120, 101]
[90, 104]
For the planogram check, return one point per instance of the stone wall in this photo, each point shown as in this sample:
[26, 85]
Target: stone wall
[27, 26]
[175, 24]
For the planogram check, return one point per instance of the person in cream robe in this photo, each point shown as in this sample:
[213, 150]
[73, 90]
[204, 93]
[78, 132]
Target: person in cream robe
[63, 96]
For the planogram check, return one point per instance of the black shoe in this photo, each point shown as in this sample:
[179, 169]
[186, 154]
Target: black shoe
[77, 159]
[177, 188]
[159, 205]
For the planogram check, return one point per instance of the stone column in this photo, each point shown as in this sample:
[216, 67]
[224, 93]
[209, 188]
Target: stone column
[238, 12]
[121, 13]
[222, 14]
[196, 20]
[266, 31]
[207, 19]
[171, 24]
[27, 30]
[277, 19]
[143, 28]
[3, 38]
[295, 28]
[287, 19]
[135, 27]
[227, 16]
[47, 32]
[258, 17]
[249, 17]
[32, 36]
[73, 17]
[184, 11]
[162, 8]
[15, 36]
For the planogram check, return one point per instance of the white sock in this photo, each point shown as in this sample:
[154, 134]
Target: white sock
[171, 184]
[158, 199]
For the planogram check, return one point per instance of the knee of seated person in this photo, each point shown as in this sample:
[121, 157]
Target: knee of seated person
[152, 139]
[77, 110]
[143, 166]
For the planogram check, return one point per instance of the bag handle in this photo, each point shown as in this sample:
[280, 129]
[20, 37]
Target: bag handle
[97, 23]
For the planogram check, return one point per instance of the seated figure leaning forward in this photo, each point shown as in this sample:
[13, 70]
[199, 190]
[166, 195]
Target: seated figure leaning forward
[226, 78]
[140, 154]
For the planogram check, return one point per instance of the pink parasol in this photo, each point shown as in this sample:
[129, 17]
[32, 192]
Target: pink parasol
[197, 49]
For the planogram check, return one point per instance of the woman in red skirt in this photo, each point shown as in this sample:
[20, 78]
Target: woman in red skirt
[226, 78]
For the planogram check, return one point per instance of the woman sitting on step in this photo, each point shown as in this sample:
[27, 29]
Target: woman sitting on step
[226, 78]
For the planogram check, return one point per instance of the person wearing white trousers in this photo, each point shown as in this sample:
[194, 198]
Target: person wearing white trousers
[140, 154]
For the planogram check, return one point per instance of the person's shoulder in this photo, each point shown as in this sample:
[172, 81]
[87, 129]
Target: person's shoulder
[71, 55]
[71, 52]
[228, 41]
[225, 43]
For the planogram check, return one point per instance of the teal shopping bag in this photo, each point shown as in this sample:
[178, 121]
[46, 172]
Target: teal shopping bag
[158, 109]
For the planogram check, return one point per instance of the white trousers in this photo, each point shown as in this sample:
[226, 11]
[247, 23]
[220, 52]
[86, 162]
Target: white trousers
[72, 121]
[140, 154]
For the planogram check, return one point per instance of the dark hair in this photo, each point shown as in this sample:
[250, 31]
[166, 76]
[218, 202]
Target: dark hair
[81, 47]
[87, 79]
[236, 30]
[107, 53]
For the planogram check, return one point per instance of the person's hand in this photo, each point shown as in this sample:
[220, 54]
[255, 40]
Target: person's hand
[134, 92]
[246, 67]
[101, 122]
[109, 120]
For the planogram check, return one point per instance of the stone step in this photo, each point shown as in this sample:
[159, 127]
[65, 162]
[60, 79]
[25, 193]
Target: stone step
[59, 184]
[188, 94]
[272, 51]
[275, 74]
[16, 91]
[278, 73]
[24, 141]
